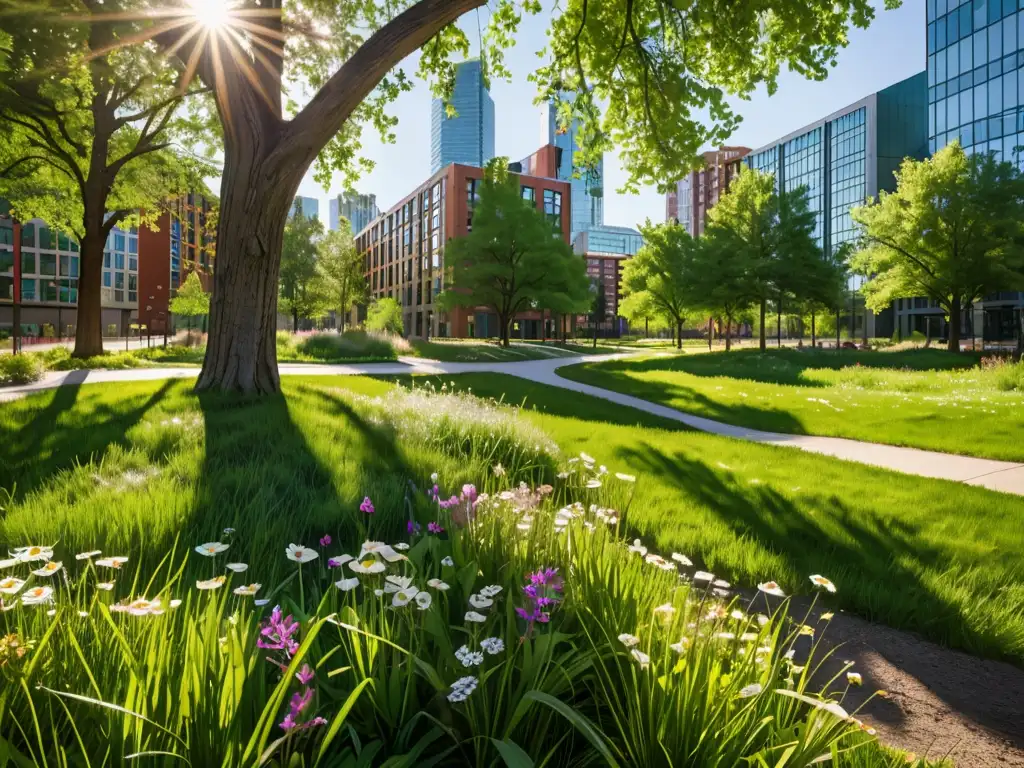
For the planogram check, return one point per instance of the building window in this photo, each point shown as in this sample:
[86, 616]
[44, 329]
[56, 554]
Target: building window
[553, 206]
[28, 263]
[28, 290]
[529, 193]
[48, 264]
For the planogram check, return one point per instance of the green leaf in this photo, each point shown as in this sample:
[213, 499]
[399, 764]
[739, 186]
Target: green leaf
[580, 722]
[512, 754]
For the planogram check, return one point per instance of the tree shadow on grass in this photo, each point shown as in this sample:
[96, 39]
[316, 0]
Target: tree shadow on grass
[69, 430]
[783, 366]
[877, 566]
[282, 470]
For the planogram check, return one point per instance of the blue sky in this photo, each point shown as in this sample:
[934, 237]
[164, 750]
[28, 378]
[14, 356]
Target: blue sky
[893, 48]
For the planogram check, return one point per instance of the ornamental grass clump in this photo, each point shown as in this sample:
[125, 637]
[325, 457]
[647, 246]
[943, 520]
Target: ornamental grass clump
[514, 625]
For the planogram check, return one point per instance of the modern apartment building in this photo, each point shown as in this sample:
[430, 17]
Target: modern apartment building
[306, 206]
[842, 160]
[404, 251]
[358, 209]
[468, 137]
[587, 185]
[698, 192]
[975, 51]
[39, 270]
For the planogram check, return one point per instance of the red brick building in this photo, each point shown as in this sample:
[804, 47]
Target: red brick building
[181, 242]
[698, 192]
[403, 251]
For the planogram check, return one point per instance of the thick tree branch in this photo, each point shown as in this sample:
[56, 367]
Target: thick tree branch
[305, 135]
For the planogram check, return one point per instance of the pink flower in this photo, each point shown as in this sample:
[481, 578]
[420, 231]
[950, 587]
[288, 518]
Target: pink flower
[325, 540]
[435, 528]
[367, 506]
[305, 674]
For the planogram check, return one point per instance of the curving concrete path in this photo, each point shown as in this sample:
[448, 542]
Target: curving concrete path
[1004, 476]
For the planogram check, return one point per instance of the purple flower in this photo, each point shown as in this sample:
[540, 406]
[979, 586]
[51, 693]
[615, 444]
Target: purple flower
[296, 706]
[334, 562]
[367, 506]
[276, 633]
[412, 527]
[435, 527]
[325, 540]
[305, 674]
[543, 593]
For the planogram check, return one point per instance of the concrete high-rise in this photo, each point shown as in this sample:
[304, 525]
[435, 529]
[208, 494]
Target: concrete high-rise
[587, 190]
[360, 210]
[467, 138]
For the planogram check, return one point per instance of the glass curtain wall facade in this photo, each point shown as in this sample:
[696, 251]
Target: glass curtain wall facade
[608, 239]
[975, 89]
[975, 96]
[467, 138]
[844, 159]
[307, 206]
[587, 197]
[360, 210]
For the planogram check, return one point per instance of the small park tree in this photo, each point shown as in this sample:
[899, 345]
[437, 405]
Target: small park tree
[598, 306]
[639, 310]
[716, 279]
[385, 315]
[952, 231]
[342, 267]
[657, 274]
[191, 301]
[513, 259]
[86, 127]
[302, 288]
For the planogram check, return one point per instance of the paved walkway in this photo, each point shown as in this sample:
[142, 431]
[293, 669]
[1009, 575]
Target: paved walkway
[1004, 476]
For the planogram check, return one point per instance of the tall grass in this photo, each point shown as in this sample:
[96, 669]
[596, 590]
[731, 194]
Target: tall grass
[107, 680]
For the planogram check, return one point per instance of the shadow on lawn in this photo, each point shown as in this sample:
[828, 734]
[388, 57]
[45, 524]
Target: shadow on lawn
[787, 365]
[272, 470]
[877, 566]
[68, 431]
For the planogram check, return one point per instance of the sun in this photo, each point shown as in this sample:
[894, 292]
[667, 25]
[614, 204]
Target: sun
[212, 14]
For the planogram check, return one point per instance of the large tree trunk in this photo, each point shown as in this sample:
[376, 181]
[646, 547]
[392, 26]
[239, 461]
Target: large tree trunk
[679, 334]
[814, 337]
[761, 335]
[89, 327]
[241, 355]
[728, 332]
[955, 310]
[778, 324]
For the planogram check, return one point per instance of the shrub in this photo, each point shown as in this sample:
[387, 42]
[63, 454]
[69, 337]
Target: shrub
[385, 315]
[60, 359]
[1005, 374]
[351, 344]
[19, 369]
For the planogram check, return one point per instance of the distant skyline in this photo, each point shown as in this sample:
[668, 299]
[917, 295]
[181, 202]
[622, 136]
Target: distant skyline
[892, 49]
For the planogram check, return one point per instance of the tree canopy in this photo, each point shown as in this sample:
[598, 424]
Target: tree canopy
[656, 276]
[385, 315]
[87, 131]
[513, 259]
[952, 231]
[304, 288]
[191, 300]
[342, 268]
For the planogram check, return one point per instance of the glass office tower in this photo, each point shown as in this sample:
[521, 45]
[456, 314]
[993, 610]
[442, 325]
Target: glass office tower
[307, 206]
[467, 138]
[845, 158]
[976, 96]
[588, 190]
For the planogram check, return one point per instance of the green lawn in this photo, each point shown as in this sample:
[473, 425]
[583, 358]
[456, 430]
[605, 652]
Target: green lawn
[478, 351]
[148, 470]
[943, 559]
[921, 398]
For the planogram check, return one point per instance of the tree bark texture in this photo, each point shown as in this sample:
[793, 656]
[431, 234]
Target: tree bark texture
[728, 333]
[814, 337]
[89, 327]
[241, 354]
[679, 334]
[955, 312]
[761, 335]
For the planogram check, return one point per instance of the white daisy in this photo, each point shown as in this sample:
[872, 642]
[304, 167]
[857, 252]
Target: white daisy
[703, 576]
[639, 548]
[237, 567]
[211, 548]
[437, 584]
[641, 657]
[215, 583]
[248, 590]
[475, 617]
[820, 581]
[771, 588]
[49, 569]
[37, 595]
[629, 640]
[625, 478]
[30, 554]
[11, 585]
[404, 596]
[347, 585]
[394, 583]
[423, 600]
[367, 565]
[382, 550]
[300, 554]
[479, 601]
[87, 555]
[682, 559]
[112, 562]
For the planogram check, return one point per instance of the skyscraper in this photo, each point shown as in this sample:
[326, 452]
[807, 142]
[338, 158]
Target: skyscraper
[467, 138]
[588, 190]
[360, 210]
[975, 95]
[307, 206]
